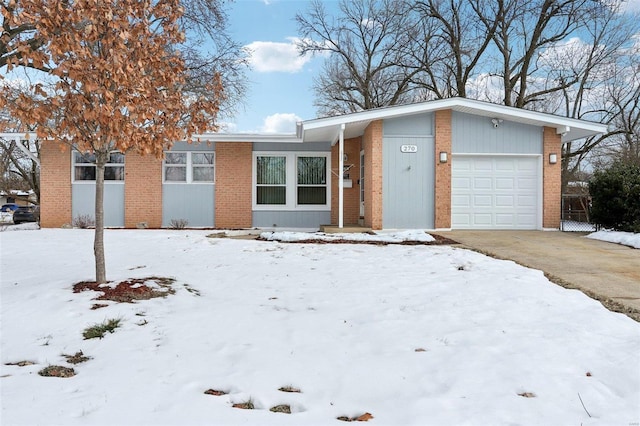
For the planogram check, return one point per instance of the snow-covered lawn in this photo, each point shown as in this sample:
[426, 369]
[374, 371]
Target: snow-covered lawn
[413, 335]
[626, 238]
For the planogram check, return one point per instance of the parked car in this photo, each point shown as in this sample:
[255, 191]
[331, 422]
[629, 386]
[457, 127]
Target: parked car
[9, 207]
[6, 212]
[26, 214]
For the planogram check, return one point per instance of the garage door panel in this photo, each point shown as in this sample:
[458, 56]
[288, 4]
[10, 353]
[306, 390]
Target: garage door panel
[461, 200]
[505, 183]
[482, 201]
[495, 192]
[482, 164]
[480, 219]
[481, 183]
[461, 182]
[504, 201]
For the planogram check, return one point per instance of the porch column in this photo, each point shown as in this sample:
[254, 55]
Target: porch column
[340, 178]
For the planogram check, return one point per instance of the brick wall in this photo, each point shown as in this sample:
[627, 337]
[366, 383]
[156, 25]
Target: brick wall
[443, 170]
[552, 180]
[142, 191]
[372, 144]
[55, 185]
[351, 197]
[233, 184]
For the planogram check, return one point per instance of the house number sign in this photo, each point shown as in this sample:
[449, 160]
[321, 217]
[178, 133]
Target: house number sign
[409, 148]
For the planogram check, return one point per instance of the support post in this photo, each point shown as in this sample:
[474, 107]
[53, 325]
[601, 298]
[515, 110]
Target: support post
[340, 178]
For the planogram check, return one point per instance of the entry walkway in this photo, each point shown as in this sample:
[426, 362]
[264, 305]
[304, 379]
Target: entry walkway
[605, 271]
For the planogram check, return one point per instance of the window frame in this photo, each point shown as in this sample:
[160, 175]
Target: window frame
[291, 179]
[189, 165]
[74, 164]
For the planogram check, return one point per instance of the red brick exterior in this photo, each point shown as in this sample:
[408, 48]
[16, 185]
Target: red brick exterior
[142, 191]
[372, 144]
[55, 185]
[443, 170]
[351, 195]
[552, 180]
[233, 184]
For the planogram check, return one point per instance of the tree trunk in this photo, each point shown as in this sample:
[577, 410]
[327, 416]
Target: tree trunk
[98, 242]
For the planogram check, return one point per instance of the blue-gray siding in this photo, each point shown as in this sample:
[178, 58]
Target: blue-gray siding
[412, 125]
[291, 219]
[474, 134]
[83, 199]
[193, 202]
[293, 147]
[408, 181]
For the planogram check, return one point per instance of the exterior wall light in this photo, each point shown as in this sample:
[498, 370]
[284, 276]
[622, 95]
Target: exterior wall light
[443, 156]
[553, 158]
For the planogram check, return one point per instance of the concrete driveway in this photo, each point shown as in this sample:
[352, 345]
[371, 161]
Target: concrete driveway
[605, 271]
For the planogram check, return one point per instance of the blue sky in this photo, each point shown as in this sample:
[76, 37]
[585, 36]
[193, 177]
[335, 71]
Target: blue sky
[280, 89]
[280, 82]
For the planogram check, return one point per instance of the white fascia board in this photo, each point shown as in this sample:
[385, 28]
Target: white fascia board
[17, 136]
[246, 137]
[582, 127]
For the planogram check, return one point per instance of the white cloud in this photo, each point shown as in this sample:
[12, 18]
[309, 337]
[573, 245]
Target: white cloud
[270, 56]
[280, 123]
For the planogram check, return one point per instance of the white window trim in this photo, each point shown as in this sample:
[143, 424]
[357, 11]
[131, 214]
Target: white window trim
[189, 166]
[291, 182]
[93, 182]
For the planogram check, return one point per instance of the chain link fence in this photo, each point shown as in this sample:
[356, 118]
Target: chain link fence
[575, 214]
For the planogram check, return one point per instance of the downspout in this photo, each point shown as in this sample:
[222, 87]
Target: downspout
[340, 178]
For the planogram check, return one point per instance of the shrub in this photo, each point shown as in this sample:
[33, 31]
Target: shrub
[615, 194]
[178, 223]
[83, 221]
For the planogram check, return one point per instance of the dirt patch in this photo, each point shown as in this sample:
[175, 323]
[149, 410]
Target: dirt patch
[21, 363]
[76, 358]
[290, 389]
[130, 290]
[247, 405]
[215, 392]
[283, 408]
[57, 371]
[361, 418]
[439, 240]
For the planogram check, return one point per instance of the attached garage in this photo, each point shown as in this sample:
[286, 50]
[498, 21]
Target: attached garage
[495, 192]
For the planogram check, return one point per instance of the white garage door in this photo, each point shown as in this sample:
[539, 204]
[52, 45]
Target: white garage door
[494, 192]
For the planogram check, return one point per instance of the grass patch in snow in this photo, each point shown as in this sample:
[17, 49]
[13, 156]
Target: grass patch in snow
[361, 418]
[57, 371]
[24, 363]
[215, 392]
[99, 330]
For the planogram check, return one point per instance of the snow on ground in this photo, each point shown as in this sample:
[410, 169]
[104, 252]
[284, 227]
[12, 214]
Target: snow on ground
[626, 238]
[414, 335]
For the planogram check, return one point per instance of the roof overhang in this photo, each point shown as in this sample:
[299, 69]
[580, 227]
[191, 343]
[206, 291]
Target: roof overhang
[328, 129]
[246, 137]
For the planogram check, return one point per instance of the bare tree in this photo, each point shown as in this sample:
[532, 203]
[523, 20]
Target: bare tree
[452, 39]
[365, 44]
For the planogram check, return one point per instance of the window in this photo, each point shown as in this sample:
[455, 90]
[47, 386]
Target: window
[271, 180]
[189, 167]
[312, 180]
[289, 181]
[84, 167]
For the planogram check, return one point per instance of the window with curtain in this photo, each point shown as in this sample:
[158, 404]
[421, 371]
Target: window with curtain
[312, 180]
[271, 180]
